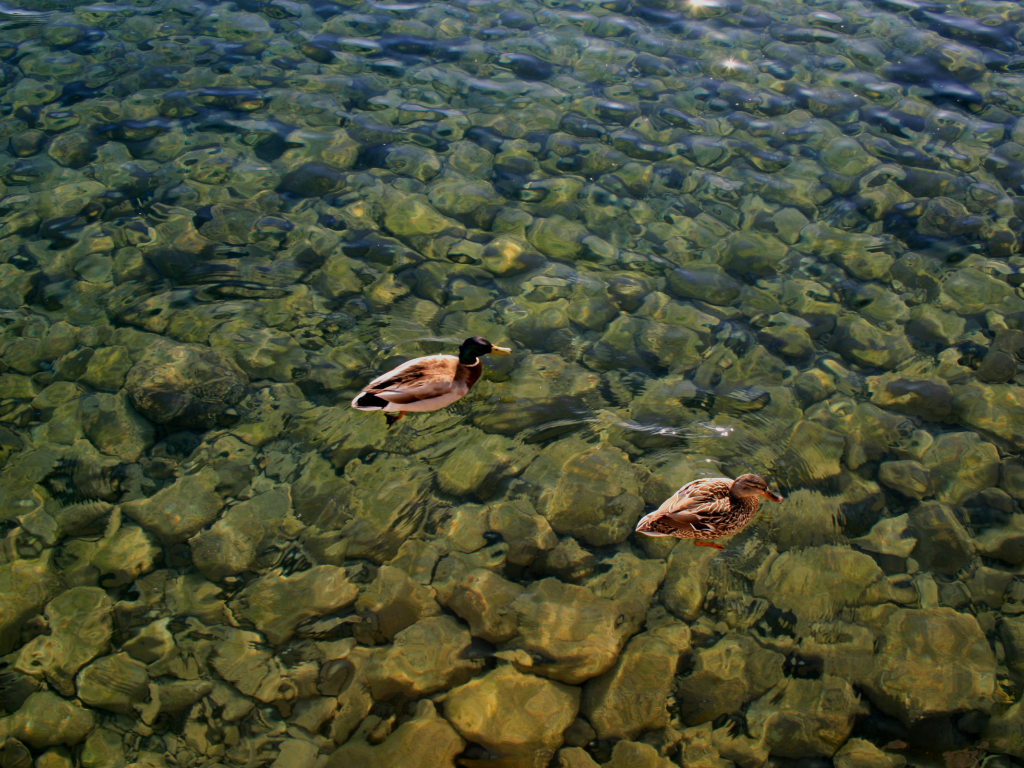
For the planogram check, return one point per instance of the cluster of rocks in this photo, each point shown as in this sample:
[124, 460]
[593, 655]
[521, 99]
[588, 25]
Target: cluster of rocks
[342, 601]
[720, 236]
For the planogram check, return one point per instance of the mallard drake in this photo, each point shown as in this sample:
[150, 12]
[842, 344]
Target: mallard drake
[427, 383]
[709, 508]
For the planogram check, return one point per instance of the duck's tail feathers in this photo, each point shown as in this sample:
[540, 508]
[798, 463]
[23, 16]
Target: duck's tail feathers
[366, 401]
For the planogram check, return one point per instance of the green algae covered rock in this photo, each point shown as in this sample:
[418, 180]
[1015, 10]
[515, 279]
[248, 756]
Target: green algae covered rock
[815, 583]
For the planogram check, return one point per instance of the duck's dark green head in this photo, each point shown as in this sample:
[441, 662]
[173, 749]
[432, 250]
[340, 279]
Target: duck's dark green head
[472, 349]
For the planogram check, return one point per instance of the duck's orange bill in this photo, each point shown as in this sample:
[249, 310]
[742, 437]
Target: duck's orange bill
[771, 495]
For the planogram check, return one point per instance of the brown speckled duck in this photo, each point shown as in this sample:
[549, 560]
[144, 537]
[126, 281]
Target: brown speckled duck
[709, 508]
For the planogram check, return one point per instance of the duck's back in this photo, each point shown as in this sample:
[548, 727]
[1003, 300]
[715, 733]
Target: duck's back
[719, 514]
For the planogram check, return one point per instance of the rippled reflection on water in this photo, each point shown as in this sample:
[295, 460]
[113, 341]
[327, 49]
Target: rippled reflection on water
[721, 236]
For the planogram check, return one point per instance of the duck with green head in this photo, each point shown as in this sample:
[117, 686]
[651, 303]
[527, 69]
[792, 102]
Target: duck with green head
[427, 383]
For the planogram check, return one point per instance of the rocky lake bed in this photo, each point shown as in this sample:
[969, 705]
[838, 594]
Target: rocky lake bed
[720, 236]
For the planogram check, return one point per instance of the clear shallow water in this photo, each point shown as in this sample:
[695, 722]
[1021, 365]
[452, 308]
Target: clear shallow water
[720, 237]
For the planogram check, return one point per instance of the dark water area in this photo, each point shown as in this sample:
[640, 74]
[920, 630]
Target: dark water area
[719, 237]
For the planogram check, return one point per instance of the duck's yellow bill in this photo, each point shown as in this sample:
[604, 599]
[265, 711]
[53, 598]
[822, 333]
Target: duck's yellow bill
[503, 351]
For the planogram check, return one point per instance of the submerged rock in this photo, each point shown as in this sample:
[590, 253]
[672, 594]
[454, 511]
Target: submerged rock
[185, 385]
[860, 753]
[114, 427]
[890, 536]
[25, 587]
[943, 543]
[868, 346]
[276, 604]
[117, 683]
[390, 500]
[80, 629]
[725, 677]
[805, 718]
[518, 716]
[961, 464]
[390, 603]
[993, 409]
[932, 662]
[47, 720]
[527, 533]
[426, 657]
[632, 697]
[928, 398]
[543, 388]
[569, 634]
[810, 519]
[1005, 543]
[686, 580]
[816, 583]
[238, 541]
[704, 282]
[181, 509]
[484, 600]
[426, 741]
[480, 462]
[627, 754]
[266, 353]
[589, 491]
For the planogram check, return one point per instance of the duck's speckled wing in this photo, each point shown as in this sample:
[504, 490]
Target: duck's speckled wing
[702, 504]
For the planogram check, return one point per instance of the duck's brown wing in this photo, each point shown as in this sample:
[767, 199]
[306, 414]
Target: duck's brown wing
[697, 506]
[424, 378]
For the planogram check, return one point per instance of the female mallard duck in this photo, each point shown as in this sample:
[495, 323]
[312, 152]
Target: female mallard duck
[427, 383]
[709, 508]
